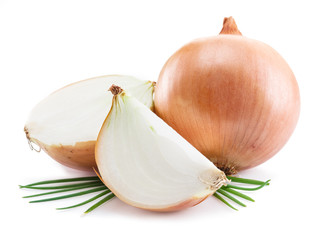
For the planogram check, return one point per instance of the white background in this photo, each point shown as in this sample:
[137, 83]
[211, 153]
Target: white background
[45, 45]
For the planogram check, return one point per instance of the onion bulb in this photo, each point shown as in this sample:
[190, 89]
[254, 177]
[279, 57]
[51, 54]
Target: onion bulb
[146, 164]
[66, 123]
[235, 99]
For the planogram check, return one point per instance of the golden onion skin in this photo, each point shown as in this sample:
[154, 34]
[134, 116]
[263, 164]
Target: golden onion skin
[235, 99]
[78, 156]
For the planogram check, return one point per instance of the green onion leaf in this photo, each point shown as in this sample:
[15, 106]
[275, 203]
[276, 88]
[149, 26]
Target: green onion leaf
[63, 190]
[87, 201]
[66, 186]
[107, 198]
[231, 197]
[70, 195]
[239, 194]
[64, 180]
[247, 189]
[224, 201]
[246, 180]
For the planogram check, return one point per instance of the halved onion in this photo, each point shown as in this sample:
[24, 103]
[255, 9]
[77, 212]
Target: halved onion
[146, 164]
[66, 123]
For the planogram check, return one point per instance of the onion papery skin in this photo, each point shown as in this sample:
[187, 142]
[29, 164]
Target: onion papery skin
[66, 123]
[235, 99]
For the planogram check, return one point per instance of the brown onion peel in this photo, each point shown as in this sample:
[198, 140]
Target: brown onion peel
[78, 156]
[235, 99]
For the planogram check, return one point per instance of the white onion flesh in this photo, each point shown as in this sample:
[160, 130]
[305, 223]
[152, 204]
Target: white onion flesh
[147, 164]
[74, 114]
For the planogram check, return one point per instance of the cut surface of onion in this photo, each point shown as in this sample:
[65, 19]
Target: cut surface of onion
[66, 123]
[146, 164]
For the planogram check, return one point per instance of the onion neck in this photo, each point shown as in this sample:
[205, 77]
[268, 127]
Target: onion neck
[225, 165]
[115, 90]
[230, 27]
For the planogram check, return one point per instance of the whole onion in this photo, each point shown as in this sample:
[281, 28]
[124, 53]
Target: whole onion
[235, 99]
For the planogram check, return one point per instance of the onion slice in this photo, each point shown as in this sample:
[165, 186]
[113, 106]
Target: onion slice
[146, 164]
[66, 123]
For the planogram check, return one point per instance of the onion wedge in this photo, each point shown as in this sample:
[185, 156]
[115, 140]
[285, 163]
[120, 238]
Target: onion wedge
[146, 164]
[66, 123]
